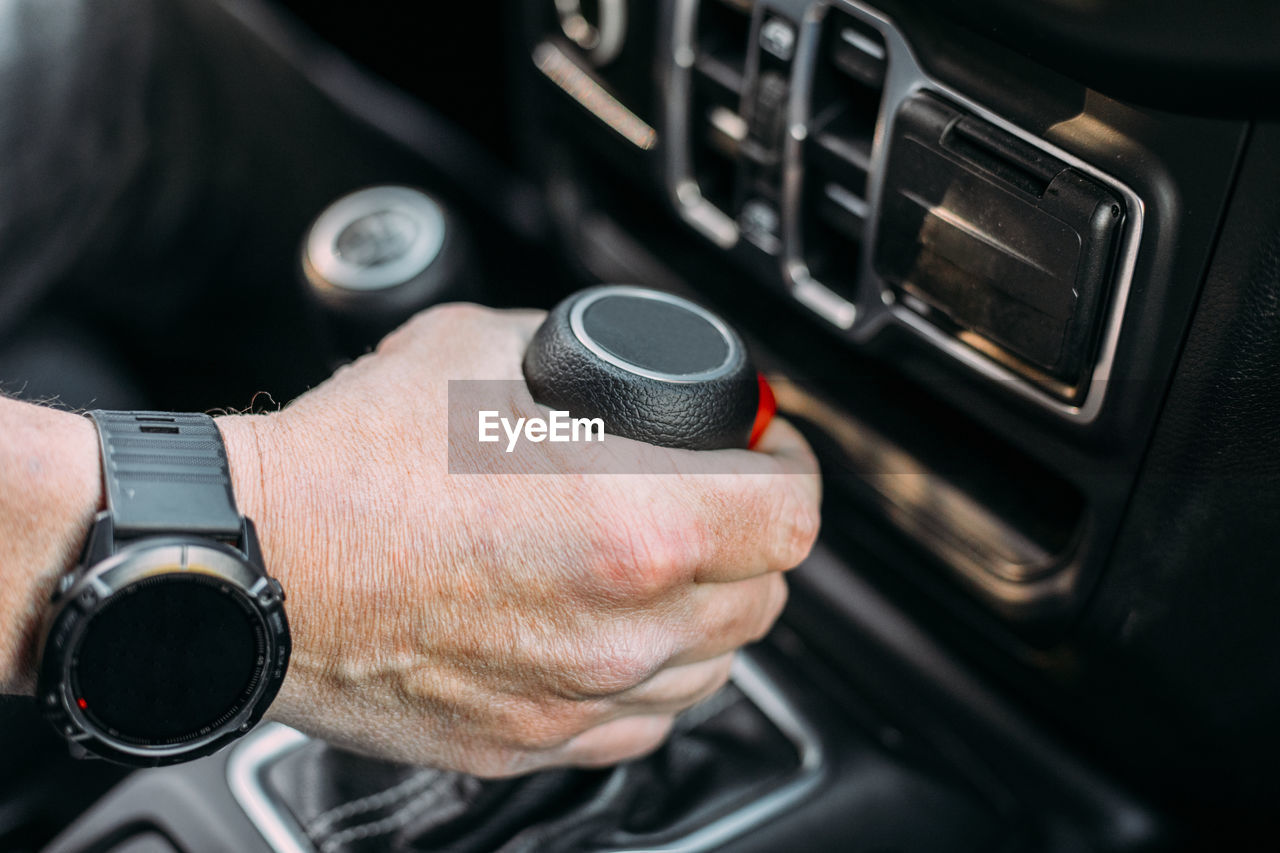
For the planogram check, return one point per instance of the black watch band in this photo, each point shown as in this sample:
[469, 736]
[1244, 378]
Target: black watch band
[166, 472]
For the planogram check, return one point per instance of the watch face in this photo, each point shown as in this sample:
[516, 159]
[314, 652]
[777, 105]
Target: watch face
[168, 659]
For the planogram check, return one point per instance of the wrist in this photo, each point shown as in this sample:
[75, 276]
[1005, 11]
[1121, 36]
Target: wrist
[53, 489]
[250, 442]
[240, 437]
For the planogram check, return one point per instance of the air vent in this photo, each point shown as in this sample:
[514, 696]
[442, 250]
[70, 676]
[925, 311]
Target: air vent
[848, 83]
[723, 31]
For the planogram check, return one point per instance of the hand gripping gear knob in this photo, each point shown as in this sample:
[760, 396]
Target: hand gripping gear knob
[653, 366]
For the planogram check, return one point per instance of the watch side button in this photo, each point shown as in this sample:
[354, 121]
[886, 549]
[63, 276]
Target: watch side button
[269, 592]
[64, 583]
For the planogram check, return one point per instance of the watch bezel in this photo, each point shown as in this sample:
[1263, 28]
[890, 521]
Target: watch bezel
[92, 588]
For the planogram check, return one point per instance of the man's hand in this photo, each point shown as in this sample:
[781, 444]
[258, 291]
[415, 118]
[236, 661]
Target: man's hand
[496, 623]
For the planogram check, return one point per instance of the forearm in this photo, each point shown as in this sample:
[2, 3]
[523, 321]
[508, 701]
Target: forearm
[50, 488]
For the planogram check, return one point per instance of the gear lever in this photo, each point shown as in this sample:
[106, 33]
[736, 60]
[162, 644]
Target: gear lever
[653, 366]
[374, 257]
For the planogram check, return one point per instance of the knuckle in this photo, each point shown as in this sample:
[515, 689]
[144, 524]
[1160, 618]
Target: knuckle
[622, 668]
[539, 726]
[544, 737]
[644, 559]
[735, 502]
[615, 666]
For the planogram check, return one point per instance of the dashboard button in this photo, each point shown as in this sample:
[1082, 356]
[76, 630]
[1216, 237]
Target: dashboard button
[778, 38]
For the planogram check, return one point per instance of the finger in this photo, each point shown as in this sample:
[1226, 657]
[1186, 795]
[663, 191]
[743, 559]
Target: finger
[463, 328]
[713, 528]
[781, 450]
[524, 322]
[735, 514]
[725, 617]
[711, 516]
[502, 337]
[676, 688]
[784, 443]
[510, 333]
[764, 516]
[755, 525]
[616, 741]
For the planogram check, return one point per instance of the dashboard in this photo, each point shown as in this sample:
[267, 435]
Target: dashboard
[977, 271]
[1018, 249]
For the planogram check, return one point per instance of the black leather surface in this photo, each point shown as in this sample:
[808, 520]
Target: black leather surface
[564, 374]
[725, 753]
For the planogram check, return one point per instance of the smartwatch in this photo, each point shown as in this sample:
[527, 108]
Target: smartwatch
[168, 640]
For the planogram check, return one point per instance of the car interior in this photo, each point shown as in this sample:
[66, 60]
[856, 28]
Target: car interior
[1013, 268]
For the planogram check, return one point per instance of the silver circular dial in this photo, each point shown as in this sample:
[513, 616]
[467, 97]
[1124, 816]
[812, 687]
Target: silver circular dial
[374, 239]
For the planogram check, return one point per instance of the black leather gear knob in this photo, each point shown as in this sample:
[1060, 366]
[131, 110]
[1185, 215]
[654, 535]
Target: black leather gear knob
[653, 366]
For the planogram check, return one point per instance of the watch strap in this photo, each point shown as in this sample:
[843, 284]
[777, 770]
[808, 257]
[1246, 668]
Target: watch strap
[166, 472]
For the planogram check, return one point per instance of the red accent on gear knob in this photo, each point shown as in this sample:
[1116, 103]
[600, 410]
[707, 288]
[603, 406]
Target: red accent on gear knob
[764, 414]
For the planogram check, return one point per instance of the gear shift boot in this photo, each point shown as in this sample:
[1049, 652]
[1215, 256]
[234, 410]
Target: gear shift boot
[724, 755]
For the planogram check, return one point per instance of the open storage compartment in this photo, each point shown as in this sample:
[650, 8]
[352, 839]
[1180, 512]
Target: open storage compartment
[998, 243]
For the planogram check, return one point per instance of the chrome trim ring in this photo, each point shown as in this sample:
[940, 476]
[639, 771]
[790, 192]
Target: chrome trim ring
[733, 358]
[328, 270]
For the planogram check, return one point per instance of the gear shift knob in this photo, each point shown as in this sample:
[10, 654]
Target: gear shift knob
[654, 367]
[374, 257]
